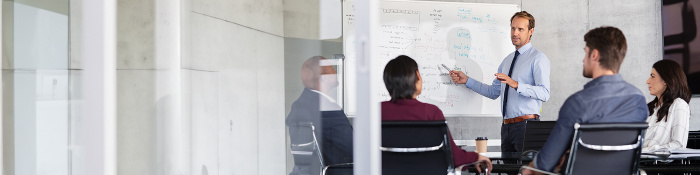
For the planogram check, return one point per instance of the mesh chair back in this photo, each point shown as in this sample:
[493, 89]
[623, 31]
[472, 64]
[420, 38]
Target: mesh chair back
[536, 133]
[305, 149]
[416, 147]
[694, 140]
[611, 148]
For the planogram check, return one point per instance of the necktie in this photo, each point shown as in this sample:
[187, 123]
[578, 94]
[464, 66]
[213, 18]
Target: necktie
[510, 72]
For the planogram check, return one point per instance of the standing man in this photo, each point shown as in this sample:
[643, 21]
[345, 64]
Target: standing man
[522, 94]
[605, 99]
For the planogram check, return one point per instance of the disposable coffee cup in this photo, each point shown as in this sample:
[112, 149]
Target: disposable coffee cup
[481, 144]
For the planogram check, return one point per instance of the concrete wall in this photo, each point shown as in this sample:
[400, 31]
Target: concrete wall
[152, 137]
[233, 88]
[301, 19]
[194, 90]
[229, 117]
[136, 82]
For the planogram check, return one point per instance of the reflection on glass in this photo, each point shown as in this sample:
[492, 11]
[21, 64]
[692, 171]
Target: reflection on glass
[320, 132]
[36, 100]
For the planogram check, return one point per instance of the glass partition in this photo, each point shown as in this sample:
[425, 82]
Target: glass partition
[36, 80]
[202, 87]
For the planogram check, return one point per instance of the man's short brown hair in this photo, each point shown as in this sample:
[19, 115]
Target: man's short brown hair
[528, 16]
[610, 43]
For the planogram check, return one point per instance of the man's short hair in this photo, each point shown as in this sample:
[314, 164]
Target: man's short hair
[528, 16]
[610, 43]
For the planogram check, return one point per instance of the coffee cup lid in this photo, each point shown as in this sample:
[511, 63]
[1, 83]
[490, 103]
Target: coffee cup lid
[481, 138]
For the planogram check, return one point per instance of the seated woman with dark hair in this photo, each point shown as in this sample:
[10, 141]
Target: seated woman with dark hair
[669, 111]
[404, 83]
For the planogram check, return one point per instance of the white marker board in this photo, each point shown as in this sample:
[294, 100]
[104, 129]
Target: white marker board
[470, 37]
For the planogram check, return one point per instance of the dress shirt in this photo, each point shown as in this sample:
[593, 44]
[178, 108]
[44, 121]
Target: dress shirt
[606, 99]
[672, 131]
[531, 71]
[328, 103]
[414, 110]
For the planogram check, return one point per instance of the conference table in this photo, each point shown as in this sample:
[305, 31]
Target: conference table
[510, 162]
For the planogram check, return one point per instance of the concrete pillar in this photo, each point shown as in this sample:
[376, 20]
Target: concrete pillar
[153, 138]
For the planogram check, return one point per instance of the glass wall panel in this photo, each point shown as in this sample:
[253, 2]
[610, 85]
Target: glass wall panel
[36, 100]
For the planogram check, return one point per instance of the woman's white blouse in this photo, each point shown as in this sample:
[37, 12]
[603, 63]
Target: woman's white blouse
[669, 134]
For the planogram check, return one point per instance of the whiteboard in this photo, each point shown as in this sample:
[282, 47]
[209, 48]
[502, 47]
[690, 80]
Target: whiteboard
[470, 37]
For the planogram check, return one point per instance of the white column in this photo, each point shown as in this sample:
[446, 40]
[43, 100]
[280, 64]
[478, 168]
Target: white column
[367, 136]
[171, 132]
[96, 144]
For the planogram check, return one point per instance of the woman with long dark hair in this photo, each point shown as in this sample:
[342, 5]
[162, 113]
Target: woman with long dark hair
[670, 113]
[404, 83]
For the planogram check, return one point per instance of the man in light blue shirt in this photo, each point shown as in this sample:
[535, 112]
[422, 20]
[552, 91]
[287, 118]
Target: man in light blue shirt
[523, 94]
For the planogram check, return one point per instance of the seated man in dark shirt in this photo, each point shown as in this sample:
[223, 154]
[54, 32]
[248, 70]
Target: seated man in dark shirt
[606, 98]
[332, 128]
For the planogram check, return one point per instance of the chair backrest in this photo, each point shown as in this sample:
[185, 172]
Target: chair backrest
[416, 147]
[693, 140]
[305, 148]
[536, 133]
[606, 148]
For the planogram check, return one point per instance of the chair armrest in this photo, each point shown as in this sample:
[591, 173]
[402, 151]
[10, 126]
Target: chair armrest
[535, 169]
[411, 150]
[612, 147]
[459, 169]
[348, 165]
[641, 172]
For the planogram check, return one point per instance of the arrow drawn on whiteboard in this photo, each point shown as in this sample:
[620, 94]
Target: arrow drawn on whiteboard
[409, 45]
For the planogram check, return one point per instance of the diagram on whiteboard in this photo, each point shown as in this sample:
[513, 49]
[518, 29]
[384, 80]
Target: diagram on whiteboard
[468, 37]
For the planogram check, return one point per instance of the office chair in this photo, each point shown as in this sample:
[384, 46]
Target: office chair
[693, 140]
[536, 133]
[417, 147]
[307, 152]
[604, 148]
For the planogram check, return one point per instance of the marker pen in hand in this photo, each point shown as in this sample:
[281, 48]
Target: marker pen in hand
[446, 68]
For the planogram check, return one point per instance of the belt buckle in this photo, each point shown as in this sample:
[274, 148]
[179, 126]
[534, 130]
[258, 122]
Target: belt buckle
[510, 120]
[518, 119]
